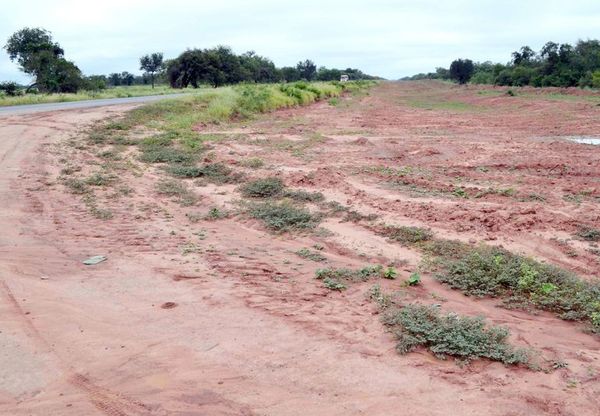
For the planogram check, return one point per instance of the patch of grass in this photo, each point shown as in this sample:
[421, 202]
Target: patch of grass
[350, 275]
[466, 338]
[588, 233]
[508, 192]
[311, 255]
[334, 284]
[100, 179]
[178, 190]
[495, 272]
[216, 214]
[355, 216]
[406, 235]
[253, 163]
[284, 216]
[213, 172]
[76, 186]
[263, 188]
[303, 196]
[166, 155]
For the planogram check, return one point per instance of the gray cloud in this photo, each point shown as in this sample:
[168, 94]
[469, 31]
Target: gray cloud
[387, 38]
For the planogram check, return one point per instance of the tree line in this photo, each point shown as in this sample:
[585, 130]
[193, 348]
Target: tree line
[554, 65]
[37, 55]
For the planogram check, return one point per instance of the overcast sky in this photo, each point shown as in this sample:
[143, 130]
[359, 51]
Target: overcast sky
[382, 37]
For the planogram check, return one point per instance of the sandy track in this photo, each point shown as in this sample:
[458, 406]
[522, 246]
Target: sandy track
[251, 332]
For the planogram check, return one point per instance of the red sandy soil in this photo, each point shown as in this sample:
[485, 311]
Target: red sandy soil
[222, 318]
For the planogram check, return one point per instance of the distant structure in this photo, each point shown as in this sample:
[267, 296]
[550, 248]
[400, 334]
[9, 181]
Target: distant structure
[344, 78]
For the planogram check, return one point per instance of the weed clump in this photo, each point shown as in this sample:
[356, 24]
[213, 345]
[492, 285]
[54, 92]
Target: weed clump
[263, 188]
[359, 275]
[407, 235]
[178, 190]
[213, 172]
[495, 272]
[464, 337]
[303, 196]
[252, 163]
[166, 155]
[284, 216]
[311, 255]
[589, 233]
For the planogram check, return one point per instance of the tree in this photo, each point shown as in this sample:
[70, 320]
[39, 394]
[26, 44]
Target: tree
[461, 70]
[290, 74]
[152, 64]
[11, 88]
[307, 70]
[127, 78]
[37, 55]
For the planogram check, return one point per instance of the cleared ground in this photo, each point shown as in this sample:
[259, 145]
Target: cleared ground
[192, 316]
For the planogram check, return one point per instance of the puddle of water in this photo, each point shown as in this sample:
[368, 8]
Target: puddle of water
[584, 139]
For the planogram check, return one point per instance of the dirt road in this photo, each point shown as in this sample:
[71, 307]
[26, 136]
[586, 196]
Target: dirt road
[222, 318]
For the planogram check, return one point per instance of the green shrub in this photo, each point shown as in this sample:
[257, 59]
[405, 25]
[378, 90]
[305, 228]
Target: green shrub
[466, 338]
[407, 235]
[213, 172]
[176, 189]
[166, 155]
[253, 163]
[263, 188]
[495, 272]
[333, 284]
[359, 275]
[303, 196]
[589, 233]
[216, 214]
[283, 216]
[311, 255]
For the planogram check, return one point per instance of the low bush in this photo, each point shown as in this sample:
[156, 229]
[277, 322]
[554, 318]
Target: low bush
[407, 235]
[311, 255]
[303, 196]
[466, 338]
[176, 189]
[495, 272]
[358, 275]
[263, 188]
[284, 216]
[589, 233]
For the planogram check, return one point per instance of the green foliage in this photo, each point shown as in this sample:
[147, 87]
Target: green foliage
[284, 216]
[263, 188]
[10, 88]
[589, 233]
[390, 273]
[152, 64]
[333, 284]
[461, 70]
[216, 213]
[38, 56]
[407, 235]
[164, 154]
[178, 190]
[311, 255]
[303, 196]
[213, 172]
[495, 272]
[253, 163]
[466, 338]
[414, 279]
[350, 275]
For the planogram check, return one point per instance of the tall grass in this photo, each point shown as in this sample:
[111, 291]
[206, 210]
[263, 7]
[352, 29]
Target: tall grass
[116, 92]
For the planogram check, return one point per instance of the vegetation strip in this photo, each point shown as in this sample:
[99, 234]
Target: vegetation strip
[485, 271]
[463, 337]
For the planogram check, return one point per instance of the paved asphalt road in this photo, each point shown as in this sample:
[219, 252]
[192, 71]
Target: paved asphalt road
[38, 108]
